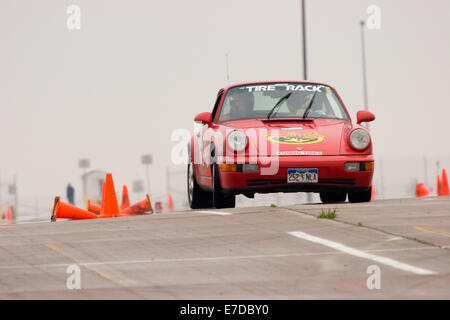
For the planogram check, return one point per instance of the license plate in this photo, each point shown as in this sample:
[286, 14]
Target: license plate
[303, 175]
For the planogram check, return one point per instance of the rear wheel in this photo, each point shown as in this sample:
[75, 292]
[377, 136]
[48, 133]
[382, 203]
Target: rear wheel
[198, 198]
[360, 196]
[220, 200]
[333, 197]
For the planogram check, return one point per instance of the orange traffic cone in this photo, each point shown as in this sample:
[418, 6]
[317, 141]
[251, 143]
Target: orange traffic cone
[8, 214]
[170, 202]
[372, 194]
[109, 207]
[142, 207]
[125, 198]
[444, 186]
[438, 186]
[421, 190]
[93, 207]
[68, 211]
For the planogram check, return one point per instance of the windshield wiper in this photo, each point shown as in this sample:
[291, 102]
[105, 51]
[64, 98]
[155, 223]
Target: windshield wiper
[309, 106]
[278, 103]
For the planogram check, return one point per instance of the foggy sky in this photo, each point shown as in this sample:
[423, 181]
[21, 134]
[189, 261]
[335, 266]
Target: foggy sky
[137, 70]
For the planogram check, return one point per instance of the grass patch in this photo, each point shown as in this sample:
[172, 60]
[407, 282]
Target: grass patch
[273, 205]
[329, 214]
[360, 224]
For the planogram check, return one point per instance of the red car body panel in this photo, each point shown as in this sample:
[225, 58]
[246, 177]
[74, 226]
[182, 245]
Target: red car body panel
[330, 138]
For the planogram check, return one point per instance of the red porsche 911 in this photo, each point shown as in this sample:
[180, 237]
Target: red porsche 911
[285, 136]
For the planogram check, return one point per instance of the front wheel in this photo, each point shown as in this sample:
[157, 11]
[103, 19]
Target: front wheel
[220, 200]
[333, 197]
[198, 198]
[360, 196]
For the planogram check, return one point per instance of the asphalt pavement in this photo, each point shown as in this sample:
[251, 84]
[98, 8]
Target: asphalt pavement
[385, 249]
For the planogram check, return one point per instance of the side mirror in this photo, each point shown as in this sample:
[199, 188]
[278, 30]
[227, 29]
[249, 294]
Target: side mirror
[204, 118]
[364, 116]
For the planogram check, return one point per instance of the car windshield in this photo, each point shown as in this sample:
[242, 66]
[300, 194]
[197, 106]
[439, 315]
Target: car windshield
[281, 100]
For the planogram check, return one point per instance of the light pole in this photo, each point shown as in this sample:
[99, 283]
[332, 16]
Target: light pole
[12, 190]
[16, 199]
[1, 204]
[305, 67]
[228, 69]
[438, 167]
[425, 165]
[147, 161]
[363, 53]
[138, 187]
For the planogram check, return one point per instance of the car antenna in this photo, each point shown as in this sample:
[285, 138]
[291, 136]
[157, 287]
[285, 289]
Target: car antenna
[227, 66]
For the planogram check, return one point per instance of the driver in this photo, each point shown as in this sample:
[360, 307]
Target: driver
[241, 104]
[298, 102]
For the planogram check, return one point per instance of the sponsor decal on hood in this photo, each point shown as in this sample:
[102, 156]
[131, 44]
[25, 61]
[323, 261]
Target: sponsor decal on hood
[296, 138]
[299, 153]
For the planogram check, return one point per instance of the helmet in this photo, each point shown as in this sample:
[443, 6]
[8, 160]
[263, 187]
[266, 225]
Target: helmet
[242, 101]
[298, 100]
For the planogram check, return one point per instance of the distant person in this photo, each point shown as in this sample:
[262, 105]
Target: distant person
[242, 104]
[70, 194]
[298, 103]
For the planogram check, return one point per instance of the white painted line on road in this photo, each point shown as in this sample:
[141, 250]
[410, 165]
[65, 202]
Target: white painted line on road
[362, 254]
[394, 239]
[220, 213]
[206, 259]
[34, 222]
[27, 222]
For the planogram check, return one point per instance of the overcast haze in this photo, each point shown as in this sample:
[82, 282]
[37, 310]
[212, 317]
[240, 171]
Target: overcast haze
[137, 70]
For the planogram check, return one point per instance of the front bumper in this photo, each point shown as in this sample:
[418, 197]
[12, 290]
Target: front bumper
[272, 174]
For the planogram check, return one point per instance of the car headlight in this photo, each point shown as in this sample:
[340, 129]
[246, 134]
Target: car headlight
[359, 139]
[237, 140]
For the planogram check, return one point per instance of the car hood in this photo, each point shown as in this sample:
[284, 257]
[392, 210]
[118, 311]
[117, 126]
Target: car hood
[287, 137]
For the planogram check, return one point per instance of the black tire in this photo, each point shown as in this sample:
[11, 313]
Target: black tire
[197, 198]
[360, 196]
[333, 197]
[220, 200]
